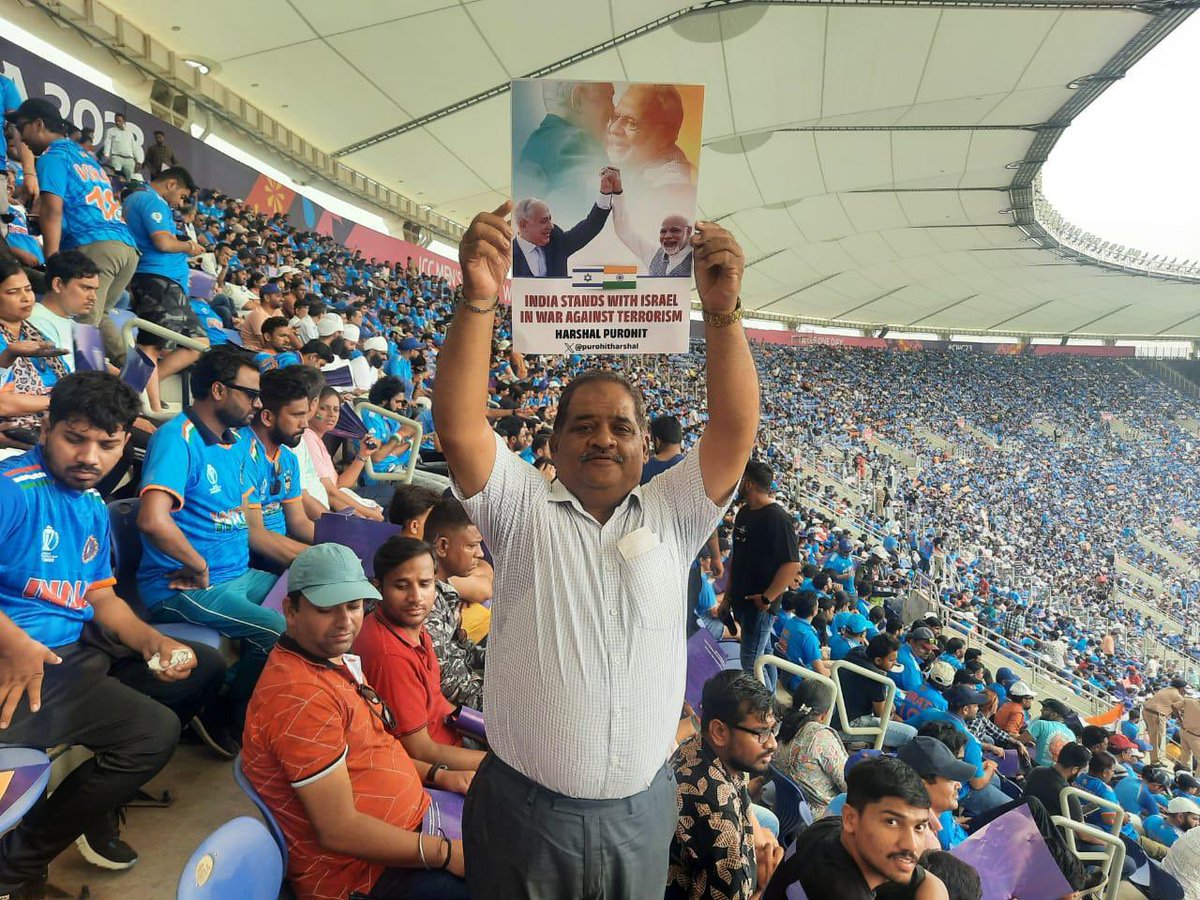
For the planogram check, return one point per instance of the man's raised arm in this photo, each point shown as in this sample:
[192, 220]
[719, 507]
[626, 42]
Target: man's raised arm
[731, 377]
[460, 390]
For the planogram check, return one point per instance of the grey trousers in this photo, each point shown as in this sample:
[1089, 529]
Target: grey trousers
[525, 842]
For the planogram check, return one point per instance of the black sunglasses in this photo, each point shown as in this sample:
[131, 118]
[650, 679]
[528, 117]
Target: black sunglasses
[248, 391]
[373, 699]
[760, 734]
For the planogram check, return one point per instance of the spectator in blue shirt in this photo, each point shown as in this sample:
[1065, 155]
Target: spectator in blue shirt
[280, 530]
[77, 209]
[918, 647]
[24, 246]
[841, 564]
[851, 633]
[10, 101]
[159, 288]
[279, 345]
[963, 703]
[395, 440]
[195, 492]
[801, 644]
[1097, 782]
[666, 433]
[56, 594]
[956, 649]
[1166, 827]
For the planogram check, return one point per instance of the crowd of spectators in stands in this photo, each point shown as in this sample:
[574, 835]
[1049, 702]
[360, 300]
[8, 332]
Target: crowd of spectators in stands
[346, 690]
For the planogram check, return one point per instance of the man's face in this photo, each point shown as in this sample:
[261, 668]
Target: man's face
[1186, 821]
[287, 427]
[409, 591]
[601, 446]
[943, 793]
[237, 403]
[593, 106]
[635, 137]
[324, 632]
[887, 663]
[396, 403]
[674, 234]
[282, 339]
[744, 752]
[79, 454]
[460, 551]
[889, 837]
[968, 712]
[176, 193]
[924, 649]
[537, 226]
[159, 138]
[78, 295]
[118, 121]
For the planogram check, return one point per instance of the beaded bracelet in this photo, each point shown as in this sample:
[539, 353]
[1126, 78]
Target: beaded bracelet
[482, 310]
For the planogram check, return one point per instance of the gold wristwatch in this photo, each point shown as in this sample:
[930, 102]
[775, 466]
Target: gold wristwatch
[721, 320]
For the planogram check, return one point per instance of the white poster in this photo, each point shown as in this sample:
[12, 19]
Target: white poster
[604, 202]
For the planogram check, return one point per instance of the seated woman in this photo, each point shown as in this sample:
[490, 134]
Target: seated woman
[336, 486]
[30, 365]
[810, 752]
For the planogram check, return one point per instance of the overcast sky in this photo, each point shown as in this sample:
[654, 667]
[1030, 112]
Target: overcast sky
[1127, 168]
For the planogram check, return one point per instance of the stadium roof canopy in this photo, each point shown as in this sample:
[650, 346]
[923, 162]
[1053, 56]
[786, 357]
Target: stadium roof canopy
[876, 159]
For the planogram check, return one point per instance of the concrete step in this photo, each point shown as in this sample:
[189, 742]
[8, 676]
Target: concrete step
[1155, 614]
[1180, 562]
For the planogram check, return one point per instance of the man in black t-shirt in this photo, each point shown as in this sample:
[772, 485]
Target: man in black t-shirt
[872, 850]
[766, 557]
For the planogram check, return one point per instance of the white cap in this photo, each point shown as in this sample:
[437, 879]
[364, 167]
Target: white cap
[376, 343]
[941, 673]
[350, 334]
[1021, 689]
[1182, 805]
[880, 553]
[422, 403]
[329, 323]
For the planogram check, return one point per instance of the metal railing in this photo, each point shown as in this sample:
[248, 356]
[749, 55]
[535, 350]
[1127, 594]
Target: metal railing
[876, 732]
[786, 665]
[127, 329]
[404, 475]
[1112, 857]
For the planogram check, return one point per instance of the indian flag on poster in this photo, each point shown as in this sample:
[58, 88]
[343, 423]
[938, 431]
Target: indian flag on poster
[620, 278]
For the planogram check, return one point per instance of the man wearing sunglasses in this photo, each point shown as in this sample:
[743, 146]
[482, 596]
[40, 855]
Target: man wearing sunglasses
[320, 750]
[719, 849]
[196, 487]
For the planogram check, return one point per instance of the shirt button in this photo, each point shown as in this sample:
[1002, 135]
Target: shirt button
[612, 612]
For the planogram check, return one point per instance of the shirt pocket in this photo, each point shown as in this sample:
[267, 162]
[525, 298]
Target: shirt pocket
[652, 586]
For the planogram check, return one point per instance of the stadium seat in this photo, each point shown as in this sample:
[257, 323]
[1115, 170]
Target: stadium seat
[272, 826]
[239, 859]
[790, 805]
[127, 553]
[24, 773]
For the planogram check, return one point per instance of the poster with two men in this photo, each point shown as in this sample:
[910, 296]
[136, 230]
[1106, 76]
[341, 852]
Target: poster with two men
[604, 201]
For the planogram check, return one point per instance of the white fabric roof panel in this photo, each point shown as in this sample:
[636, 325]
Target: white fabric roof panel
[871, 144]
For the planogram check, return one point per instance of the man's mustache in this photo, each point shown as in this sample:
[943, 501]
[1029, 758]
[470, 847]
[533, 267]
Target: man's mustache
[602, 454]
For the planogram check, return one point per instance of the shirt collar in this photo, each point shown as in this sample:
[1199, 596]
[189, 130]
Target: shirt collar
[229, 437]
[527, 247]
[560, 494]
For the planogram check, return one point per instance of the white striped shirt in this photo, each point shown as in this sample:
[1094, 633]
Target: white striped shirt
[586, 658]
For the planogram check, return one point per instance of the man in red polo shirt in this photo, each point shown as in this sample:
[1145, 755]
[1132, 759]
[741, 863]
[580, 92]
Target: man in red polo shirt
[318, 748]
[399, 659]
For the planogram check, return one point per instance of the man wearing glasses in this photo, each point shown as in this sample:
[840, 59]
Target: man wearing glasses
[719, 849]
[321, 752]
[196, 485]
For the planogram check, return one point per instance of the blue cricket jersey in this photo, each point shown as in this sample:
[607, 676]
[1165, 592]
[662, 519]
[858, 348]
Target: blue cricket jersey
[18, 232]
[90, 211]
[206, 475]
[57, 549]
[147, 213]
[275, 481]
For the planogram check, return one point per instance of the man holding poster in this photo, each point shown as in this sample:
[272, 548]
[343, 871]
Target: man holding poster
[587, 653]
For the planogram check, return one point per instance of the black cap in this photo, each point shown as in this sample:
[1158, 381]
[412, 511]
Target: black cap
[37, 108]
[1056, 706]
[929, 756]
[960, 695]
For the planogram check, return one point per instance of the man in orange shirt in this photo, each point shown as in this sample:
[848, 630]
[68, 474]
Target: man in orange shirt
[318, 749]
[1011, 718]
[398, 656]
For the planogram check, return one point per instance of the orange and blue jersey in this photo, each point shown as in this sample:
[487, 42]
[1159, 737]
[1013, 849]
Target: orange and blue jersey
[147, 213]
[90, 211]
[57, 550]
[275, 482]
[206, 476]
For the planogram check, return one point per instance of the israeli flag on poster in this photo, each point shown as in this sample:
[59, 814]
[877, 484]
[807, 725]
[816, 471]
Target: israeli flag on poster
[587, 277]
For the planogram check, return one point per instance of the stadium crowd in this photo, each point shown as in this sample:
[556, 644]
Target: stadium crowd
[584, 505]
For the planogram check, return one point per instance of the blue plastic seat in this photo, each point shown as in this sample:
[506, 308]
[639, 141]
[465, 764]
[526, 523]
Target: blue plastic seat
[268, 817]
[790, 805]
[239, 859]
[126, 555]
[24, 772]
